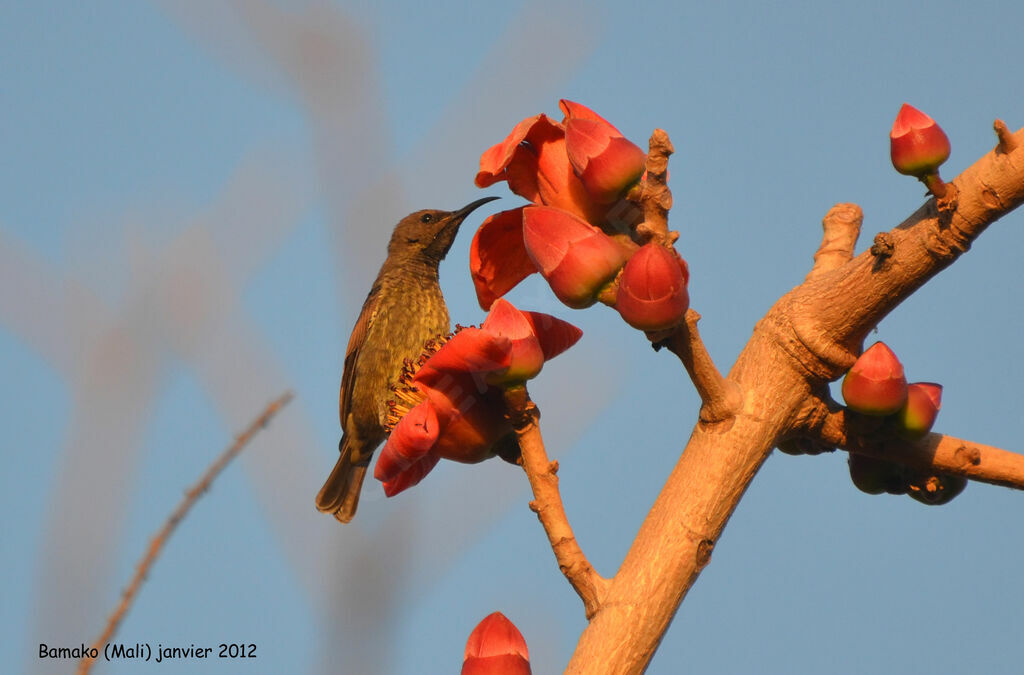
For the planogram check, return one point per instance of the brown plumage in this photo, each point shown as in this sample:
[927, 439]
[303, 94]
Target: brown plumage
[403, 310]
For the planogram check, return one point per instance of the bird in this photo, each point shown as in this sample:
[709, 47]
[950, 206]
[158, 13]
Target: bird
[403, 310]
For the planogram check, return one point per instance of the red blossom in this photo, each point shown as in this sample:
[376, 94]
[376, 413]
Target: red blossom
[581, 166]
[462, 416]
[497, 256]
[606, 162]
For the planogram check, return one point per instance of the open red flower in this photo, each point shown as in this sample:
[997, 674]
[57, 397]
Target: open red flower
[534, 160]
[582, 166]
[461, 411]
[496, 647]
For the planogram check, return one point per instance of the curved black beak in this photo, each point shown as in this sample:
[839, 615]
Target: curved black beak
[472, 206]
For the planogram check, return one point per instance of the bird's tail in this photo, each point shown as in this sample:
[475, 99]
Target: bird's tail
[340, 494]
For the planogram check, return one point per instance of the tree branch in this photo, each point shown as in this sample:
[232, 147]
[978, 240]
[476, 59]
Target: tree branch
[935, 452]
[158, 541]
[720, 399]
[810, 336]
[841, 227]
[655, 198]
[547, 502]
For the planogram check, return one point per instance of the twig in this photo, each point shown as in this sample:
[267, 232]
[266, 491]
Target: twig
[720, 398]
[1007, 142]
[935, 452]
[841, 227]
[547, 502]
[156, 544]
[655, 197]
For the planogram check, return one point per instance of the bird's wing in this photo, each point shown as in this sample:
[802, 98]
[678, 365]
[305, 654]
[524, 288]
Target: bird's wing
[356, 340]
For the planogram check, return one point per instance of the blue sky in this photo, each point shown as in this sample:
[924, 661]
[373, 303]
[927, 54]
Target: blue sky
[196, 194]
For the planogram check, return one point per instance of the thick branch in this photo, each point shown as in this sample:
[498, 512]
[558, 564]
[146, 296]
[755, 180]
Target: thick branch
[547, 501]
[811, 336]
[831, 313]
[158, 541]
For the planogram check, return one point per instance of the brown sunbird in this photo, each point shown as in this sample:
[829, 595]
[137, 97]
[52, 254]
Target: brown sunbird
[404, 309]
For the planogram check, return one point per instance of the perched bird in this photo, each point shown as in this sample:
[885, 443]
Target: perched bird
[404, 310]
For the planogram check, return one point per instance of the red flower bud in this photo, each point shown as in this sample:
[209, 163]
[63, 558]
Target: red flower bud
[496, 647]
[606, 161]
[652, 290]
[876, 384]
[918, 145]
[575, 258]
[916, 417]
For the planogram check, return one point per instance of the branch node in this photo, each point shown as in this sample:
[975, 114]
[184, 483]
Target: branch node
[968, 455]
[884, 246]
[841, 227]
[946, 205]
[654, 196]
[704, 549]
[1007, 143]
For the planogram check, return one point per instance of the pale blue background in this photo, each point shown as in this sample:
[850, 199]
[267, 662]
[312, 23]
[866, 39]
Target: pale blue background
[195, 194]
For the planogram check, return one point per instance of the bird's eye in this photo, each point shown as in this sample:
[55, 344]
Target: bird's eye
[427, 218]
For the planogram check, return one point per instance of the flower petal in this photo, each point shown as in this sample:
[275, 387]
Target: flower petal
[473, 421]
[496, 159]
[575, 258]
[610, 173]
[506, 664]
[606, 161]
[411, 440]
[571, 109]
[471, 351]
[493, 636]
[498, 259]
[526, 357]
[555, 336]
[411, 476]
